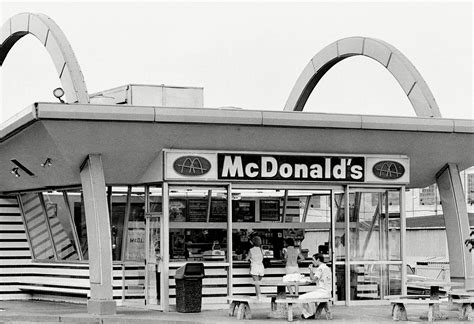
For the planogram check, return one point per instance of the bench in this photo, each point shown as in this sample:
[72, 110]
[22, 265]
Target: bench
[239, 305]
[391, 297]
[465, 307]
[399, 312]
[44, 290]
[274, 297]
[323, 304]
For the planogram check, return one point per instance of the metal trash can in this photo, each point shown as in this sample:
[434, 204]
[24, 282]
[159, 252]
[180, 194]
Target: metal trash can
[188, 280]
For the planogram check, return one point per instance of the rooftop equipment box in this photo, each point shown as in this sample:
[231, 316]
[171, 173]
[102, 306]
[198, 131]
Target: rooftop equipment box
[151, 95]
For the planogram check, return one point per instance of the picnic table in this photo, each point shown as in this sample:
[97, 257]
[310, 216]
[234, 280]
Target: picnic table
[463, 299]
[280, 310]
[435, 286]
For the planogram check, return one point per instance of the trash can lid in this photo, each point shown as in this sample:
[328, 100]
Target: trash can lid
[190, 270]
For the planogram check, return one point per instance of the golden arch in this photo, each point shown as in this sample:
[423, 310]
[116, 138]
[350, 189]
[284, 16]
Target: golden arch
[402, 69]
[57, 45]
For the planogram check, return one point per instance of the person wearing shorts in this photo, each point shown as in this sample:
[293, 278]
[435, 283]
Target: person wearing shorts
[257, 271]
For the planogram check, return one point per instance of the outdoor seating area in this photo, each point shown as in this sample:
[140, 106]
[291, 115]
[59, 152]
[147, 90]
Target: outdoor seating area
[240, 305]
[281, 304]
[459, 298]
[56, 312]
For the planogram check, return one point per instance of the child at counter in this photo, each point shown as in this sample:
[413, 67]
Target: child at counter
[257, 270]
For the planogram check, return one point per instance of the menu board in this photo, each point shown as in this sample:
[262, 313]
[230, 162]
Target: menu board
[270, 210]
[243, 211]
[177, 210]
[197, 210]
[218, 211]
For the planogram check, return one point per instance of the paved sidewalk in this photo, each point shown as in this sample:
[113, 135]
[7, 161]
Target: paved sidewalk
[56, 312]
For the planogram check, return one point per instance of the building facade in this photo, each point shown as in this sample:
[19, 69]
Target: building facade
[105, 196]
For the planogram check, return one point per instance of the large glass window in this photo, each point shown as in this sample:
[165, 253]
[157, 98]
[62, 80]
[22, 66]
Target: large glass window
[371, 236]
[198, 223]
[76, 201]
[279, 214]
[37, 227]
[50, 226]
[62, 229]
[374, 226]
[128, 222]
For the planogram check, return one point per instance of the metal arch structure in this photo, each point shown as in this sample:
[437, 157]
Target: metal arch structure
[57, 45]
[391, 58]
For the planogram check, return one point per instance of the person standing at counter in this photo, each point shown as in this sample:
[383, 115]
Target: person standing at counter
[319, 273]
[257, 270]
[291, 254]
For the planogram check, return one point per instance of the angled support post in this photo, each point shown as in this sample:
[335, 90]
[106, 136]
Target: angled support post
[457, 223]
[98, 237]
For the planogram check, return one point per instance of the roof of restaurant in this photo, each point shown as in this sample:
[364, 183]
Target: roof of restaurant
[130, 139]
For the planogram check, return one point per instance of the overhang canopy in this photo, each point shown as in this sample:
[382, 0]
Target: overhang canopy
[130, 139]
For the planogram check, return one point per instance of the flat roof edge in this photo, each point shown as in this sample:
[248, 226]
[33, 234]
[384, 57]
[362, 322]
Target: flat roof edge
[58, 111]
[19, 121]
[96, 112]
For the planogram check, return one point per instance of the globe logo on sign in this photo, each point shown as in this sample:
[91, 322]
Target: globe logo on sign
[191, 165]
[390, 170]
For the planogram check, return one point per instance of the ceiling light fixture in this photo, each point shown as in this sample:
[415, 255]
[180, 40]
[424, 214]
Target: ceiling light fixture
[15, 172]
[47, 163]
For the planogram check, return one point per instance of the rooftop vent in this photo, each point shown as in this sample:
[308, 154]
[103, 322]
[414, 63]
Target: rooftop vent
[151, 95]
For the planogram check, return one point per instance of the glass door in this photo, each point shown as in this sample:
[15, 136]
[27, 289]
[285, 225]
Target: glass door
[153, 260]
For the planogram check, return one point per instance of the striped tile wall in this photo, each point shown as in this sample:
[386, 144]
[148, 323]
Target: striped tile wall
[70, 281]
[215, 283]
[15, 255]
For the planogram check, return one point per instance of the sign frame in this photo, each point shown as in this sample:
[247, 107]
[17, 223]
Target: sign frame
[171, 155]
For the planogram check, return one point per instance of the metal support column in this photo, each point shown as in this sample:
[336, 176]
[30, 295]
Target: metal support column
[229, 241]
[165, 250]
[98, 235]
[332, 241]
[347, 234]
[403, 236]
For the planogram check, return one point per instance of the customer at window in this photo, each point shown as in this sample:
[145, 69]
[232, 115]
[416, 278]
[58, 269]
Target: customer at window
[292, 255]
[319, 273]
[257, 270]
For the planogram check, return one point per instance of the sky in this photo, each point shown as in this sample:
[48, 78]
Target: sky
[249, 54]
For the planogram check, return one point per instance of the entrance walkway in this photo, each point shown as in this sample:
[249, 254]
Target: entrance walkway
[54, 312]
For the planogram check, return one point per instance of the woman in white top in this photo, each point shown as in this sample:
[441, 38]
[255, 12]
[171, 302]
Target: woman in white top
[256, 263]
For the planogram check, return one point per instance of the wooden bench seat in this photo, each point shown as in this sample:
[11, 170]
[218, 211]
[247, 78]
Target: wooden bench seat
[465, 308]
[36, 289]
[323, 303]
[399, 312]
[406, 297]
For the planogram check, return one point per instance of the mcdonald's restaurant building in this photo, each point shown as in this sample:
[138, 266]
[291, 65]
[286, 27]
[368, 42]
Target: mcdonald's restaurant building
[103, 198]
